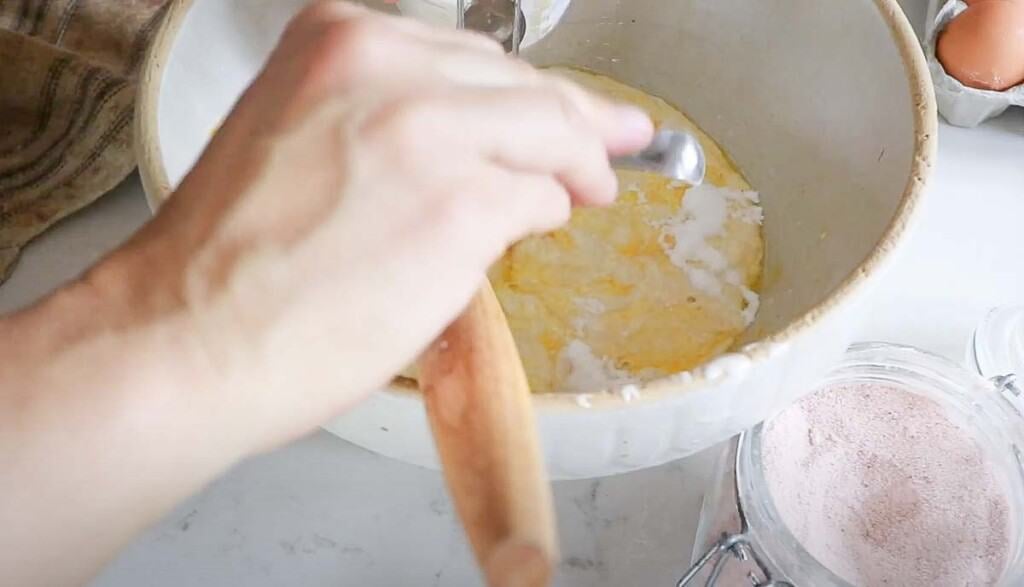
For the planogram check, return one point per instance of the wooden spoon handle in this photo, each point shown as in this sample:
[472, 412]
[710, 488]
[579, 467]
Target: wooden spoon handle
[478, 402]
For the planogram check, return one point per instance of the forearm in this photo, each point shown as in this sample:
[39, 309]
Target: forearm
[103, 427]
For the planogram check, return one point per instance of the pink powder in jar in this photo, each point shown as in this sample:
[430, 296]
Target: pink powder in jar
[882, 488]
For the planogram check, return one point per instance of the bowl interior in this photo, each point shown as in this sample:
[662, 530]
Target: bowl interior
[820, 120]
[811, 99]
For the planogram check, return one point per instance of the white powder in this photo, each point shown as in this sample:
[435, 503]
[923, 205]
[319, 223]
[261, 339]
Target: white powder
[753, 301]
[702, 216]
[684, 378]
[583, 400]
[591, 305]
[704, 280]
[630, 393]
[753, 304]
[743, 195]
[751, 214]
[685, 235]
[584, 371]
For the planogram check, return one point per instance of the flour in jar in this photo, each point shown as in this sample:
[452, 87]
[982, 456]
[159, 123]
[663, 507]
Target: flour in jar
[883, 488]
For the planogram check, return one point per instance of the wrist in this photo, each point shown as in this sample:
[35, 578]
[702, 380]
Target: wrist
[104, 426]
[111, 354]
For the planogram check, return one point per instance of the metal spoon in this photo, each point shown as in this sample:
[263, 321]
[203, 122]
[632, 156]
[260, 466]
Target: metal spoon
[494, 18]
[673, 154]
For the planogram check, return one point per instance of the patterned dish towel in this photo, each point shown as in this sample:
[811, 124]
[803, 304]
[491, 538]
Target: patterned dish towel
[67, 90]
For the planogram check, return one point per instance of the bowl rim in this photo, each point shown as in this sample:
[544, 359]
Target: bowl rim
[157, 188]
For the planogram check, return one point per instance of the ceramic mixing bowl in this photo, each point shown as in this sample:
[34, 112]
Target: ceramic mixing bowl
[827, 108]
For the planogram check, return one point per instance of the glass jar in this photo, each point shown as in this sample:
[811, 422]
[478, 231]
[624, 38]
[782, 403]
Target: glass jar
[997, 347]
[741, 539]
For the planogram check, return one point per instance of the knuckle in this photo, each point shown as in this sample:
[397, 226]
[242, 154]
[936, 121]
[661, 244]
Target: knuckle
[349, 45]
[311, 20]
[304, 19]
[314, 12]
[345, 48]
[568, 107]
[406, 126]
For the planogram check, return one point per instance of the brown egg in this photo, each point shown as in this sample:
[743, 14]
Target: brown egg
[971, 2]
[983, 47]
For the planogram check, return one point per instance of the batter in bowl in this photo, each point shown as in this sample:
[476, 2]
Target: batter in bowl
[658, 283]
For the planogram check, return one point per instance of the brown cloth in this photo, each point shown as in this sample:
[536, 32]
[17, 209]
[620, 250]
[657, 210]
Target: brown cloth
[67, 89]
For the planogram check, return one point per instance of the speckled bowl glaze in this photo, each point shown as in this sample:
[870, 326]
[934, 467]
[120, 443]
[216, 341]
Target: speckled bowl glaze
[827, 107]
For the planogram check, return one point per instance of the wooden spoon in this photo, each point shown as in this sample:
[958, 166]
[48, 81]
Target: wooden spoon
[478, 402]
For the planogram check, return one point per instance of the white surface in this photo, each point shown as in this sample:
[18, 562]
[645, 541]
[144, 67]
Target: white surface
[323, 512]
[831, 151]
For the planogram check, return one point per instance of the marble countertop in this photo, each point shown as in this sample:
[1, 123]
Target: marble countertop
[324, 512]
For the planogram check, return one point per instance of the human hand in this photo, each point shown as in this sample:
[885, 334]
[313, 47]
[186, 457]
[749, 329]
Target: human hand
[350, 205]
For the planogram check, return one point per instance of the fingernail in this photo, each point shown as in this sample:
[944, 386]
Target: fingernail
[634, 121]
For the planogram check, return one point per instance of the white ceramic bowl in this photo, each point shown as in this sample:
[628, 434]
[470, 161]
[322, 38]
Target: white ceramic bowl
[826, 106]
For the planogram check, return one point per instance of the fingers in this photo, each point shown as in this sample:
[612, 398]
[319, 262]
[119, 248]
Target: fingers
[626, 129]
[350, 48]
[437, 97]
[492, 209]
[334, 48]
[546, 130]
[527, 203]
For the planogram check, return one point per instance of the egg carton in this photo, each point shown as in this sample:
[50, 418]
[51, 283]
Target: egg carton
[959, 104]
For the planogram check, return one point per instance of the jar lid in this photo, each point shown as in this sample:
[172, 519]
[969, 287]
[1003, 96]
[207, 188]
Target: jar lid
[997, 349]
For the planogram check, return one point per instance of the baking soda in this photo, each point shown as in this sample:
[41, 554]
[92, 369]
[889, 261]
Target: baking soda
[581, 370]
[686, 238]
[882, 488]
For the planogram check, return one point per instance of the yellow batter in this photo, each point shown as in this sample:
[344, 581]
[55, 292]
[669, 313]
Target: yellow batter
[657, 284]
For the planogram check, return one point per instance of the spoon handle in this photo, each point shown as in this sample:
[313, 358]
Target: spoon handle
[479, 406]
